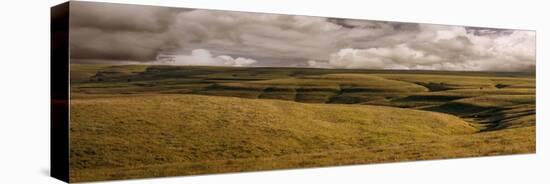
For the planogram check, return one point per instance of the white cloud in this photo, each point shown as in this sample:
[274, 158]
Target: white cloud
[361, 44]
[202, 57]
[229, 61]
[396, 57]
[317, 64]
[267, 35]
[208, 37]
[444, 48]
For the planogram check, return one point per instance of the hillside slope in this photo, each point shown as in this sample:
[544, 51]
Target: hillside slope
[493, 100]
[116, 137]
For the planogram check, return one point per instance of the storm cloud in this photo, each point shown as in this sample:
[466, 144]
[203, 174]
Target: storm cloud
[116, 33]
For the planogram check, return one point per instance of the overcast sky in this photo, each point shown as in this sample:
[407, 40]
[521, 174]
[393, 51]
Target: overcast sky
[114, 33]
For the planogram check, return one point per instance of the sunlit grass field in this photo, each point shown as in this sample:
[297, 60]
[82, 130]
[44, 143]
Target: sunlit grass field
[133, 121]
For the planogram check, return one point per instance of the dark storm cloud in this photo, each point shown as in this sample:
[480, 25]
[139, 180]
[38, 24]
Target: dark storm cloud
[480, 31]
[121, 17]
[120, 32]
[90, 43]
[129, 33]
[353, 23]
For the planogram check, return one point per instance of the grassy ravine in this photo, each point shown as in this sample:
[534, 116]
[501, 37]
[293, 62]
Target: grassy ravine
[145, 121]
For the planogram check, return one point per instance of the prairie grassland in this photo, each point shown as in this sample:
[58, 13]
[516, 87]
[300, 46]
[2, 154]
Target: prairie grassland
[139, 121]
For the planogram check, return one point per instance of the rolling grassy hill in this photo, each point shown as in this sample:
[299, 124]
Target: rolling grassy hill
[131, 121]
[144, 132]
[464, 94]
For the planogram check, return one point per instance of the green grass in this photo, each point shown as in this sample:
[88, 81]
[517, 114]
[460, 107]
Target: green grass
[133, 121]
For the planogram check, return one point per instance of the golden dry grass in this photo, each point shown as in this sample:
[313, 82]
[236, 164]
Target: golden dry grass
[165, 135]
[134, 121]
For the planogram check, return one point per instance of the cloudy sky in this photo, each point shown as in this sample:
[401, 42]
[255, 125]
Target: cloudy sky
[114, 33]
